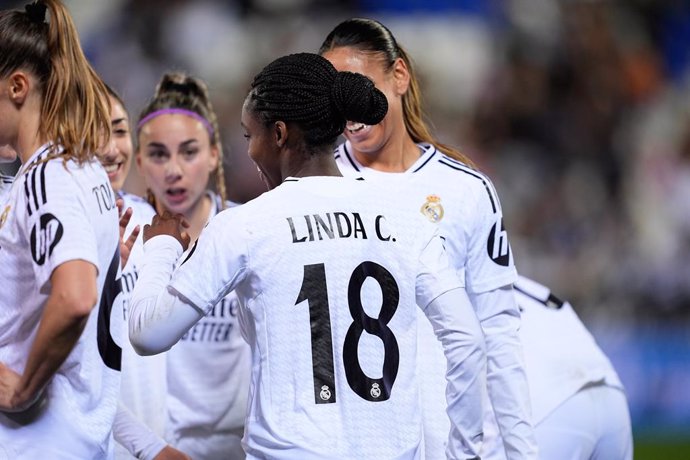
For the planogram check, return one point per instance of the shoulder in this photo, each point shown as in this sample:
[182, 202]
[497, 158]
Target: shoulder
[455, 174]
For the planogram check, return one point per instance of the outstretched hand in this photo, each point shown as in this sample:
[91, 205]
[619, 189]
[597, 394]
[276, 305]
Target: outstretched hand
[168, 224]
[126, 244]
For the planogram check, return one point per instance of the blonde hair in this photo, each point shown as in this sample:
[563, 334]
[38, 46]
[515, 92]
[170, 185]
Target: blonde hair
[371, 36]
[177, 90]
[75, 110]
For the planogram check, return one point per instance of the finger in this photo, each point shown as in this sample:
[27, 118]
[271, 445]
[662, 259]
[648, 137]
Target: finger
[132, 237]
[124, 220]
[185, 240]
[120, 205]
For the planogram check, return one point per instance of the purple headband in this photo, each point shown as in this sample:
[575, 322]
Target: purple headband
[189, 113]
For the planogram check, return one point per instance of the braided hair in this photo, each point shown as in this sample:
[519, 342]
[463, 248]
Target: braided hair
[177, 90]
[306, 89]
[371, 36]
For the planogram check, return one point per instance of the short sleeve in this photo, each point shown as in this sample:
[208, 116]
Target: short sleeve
[435, 275]
[57, 224]
[216, 263]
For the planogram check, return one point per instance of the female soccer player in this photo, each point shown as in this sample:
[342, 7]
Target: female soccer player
[208, 372]
[327, 269]
[59, 365]
[140, 420]
[464, 204]
[579, 404]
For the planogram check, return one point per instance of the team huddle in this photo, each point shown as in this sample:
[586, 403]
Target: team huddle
[366, 306]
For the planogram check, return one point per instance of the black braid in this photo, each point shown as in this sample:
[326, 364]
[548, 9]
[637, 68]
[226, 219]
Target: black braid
[306, 89]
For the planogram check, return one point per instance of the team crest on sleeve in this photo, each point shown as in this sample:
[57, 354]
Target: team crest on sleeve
[497, 245]
[45, 235]
[432, 208]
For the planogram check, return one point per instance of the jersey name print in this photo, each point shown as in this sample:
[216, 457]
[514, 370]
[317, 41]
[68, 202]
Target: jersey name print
[56, 219]
[336, 224]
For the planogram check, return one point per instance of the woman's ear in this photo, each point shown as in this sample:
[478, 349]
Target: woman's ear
[280, 131]
[401, 74]
[18, 86]
[215, 155]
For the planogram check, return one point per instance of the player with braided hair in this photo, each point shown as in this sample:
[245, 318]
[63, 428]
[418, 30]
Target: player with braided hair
[179, 150]
[329, 280]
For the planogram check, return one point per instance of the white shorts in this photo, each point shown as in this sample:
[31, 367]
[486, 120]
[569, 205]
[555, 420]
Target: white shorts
[592, 424]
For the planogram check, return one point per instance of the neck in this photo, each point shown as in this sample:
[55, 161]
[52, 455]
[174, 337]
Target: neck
[28, 137]
[396, 155]
[321, 164]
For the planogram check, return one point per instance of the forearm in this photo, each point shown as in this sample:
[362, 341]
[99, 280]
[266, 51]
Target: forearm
[58, 332]
[458, 330]
[507, 382]
[158, 319]
[135, 436]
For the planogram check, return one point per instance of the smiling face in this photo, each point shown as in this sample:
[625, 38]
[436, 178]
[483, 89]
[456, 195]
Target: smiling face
[262, 148]
[175, 157]
[117, 155]
[392, 82]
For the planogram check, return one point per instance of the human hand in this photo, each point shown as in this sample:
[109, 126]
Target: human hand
[10, 396]
[170, 453]
[126, 244]
[168, 224]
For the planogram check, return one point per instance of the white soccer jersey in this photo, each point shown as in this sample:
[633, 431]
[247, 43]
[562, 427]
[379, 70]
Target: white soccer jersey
[139, 373]
[208, 382]
[330, 312]
[464, 204]
[59, 212]
[561, 356]
[5, 184]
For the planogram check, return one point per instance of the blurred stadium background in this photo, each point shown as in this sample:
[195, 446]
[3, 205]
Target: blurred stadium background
[579, 110]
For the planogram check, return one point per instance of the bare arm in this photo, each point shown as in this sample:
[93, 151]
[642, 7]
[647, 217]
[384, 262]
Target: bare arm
[72, 297]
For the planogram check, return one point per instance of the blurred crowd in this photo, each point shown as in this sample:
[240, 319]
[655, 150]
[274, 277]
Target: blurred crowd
[577, 109]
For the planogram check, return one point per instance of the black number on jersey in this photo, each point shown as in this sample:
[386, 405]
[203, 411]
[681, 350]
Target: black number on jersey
[110, 352]
[314, 290]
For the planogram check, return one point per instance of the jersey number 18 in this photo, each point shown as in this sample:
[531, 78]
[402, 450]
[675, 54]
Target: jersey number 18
[315, 291]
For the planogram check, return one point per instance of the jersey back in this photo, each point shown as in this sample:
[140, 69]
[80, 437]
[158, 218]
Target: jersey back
[329, 272]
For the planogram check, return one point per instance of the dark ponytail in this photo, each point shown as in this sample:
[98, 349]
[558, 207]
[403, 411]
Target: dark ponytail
[306, 89]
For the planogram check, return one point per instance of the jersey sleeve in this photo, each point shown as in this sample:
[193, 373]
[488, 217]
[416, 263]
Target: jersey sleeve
[215, 265]
[490, 263]
[435, 275]
[57, 223]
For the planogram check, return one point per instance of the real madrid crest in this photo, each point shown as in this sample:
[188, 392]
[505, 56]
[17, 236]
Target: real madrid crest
[325, 393]
[375, 391]
[432, 209]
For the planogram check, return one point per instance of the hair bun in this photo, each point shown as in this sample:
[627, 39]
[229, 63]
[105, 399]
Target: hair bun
[187, 86]
[36, 12]
[356, 98]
